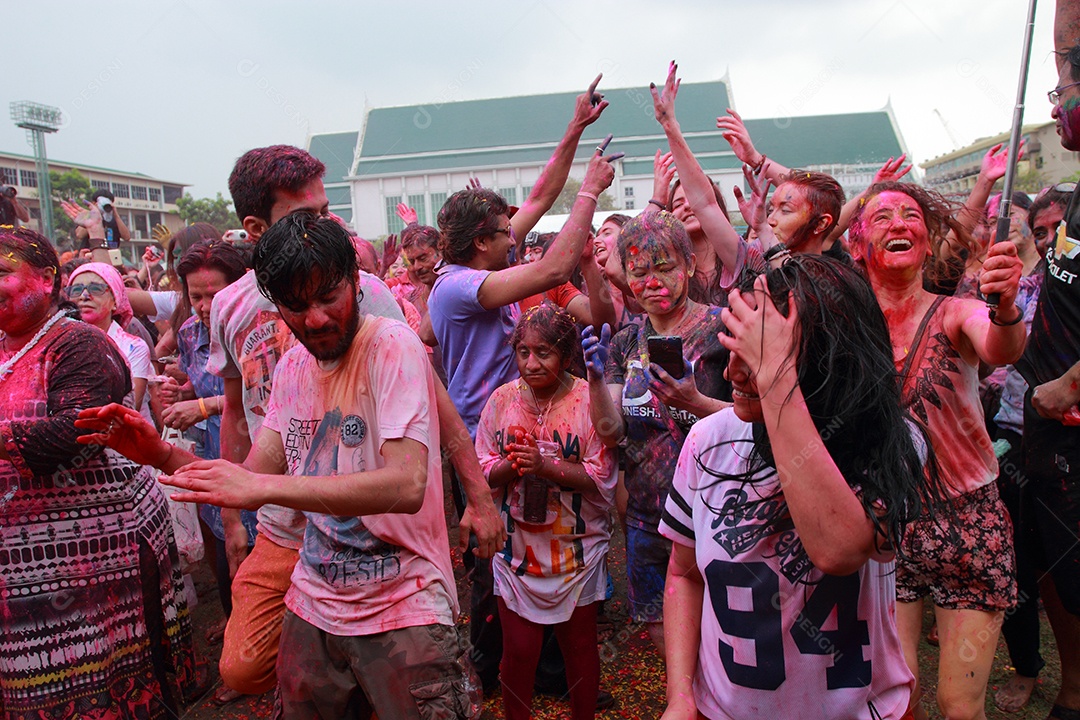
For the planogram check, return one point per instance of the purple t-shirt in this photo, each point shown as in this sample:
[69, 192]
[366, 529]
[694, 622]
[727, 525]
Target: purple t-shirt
[475, 341]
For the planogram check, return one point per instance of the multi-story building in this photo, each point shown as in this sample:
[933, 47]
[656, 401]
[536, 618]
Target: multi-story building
[1044, 161]
[141, 200]
[420, 154]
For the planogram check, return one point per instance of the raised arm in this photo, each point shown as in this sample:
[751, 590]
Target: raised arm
[510, 285]
[89, 220]
[734, 131]
[698, 186]
[587, 109]
[663, 174]
[597, 307]
[992, 169]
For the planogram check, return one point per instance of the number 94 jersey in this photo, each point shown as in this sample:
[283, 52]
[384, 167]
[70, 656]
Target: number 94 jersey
[779, 638]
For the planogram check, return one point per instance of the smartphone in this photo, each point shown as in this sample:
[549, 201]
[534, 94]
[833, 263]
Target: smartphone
[666, 351]
[115, 257]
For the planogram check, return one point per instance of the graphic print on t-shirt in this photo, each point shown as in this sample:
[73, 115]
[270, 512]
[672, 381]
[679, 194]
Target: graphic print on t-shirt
[1065, 245]
[266, 340]
[343, 551]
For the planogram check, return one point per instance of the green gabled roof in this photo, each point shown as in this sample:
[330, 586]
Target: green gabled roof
[336, 151]
[524, 131]
[528, 120]
[849, 139]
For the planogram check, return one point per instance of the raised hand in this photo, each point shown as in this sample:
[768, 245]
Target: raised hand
[595, 350]
[125, 431]
[996, 161]
[89, 217]
[390, 252]
[663, 174]
[753, 207]
[892, 170]
[473, 184]
[664, 101]
[161, 234]
[589, 105]
[407, 214]
[601, 172]
[733, 129]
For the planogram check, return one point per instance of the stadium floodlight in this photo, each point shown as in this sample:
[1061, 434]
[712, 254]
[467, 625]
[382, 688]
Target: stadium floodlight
[37, 120]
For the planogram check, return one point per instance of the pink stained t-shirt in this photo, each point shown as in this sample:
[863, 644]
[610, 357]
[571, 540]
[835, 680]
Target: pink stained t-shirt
[779, 638]
[369, 574]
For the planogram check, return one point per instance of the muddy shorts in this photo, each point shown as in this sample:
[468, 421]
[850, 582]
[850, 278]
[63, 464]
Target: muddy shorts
[964, 562]
[419, 673]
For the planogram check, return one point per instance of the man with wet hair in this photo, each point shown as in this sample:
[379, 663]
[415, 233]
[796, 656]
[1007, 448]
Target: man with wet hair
[351, 439]
[247, 339]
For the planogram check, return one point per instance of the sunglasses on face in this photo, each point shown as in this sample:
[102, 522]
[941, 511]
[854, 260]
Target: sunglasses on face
[95, 289]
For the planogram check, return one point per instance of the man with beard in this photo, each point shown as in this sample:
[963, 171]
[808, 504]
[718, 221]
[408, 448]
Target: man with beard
[350, 438]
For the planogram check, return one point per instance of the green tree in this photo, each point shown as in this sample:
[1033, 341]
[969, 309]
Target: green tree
[1030, 181]
[566, 199]
[218, 211]
[74, 187]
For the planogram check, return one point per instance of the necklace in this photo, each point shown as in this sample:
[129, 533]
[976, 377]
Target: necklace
[541, 415]
[7, 366]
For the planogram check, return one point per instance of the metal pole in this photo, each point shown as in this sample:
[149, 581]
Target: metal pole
[1014, 146]
[44, 185]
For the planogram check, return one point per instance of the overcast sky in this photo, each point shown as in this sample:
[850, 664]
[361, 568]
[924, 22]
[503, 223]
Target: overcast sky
[179, 89]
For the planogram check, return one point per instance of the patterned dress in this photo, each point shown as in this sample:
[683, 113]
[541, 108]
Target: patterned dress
[89, 573]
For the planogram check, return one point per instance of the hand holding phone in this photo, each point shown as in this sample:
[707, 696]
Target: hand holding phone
[667, 352]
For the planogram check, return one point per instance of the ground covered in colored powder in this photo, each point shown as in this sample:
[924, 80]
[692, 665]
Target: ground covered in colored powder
[631, 669]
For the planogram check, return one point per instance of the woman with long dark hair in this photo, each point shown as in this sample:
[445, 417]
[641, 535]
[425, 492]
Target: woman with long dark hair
[785, 510]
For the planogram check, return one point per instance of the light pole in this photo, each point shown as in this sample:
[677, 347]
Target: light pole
[38, 119]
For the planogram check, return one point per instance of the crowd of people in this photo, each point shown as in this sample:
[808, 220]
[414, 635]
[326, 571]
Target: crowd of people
[805, 431]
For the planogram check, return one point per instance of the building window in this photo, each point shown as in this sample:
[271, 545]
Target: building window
[509, 194]
[416, 202]
[100, 184]
[526, 190]
[437, 201]
[628, 191]
[138, 192]
[121, 190]
[629, 204]
[155, 194]
[142, 227]
[9, 176]
[154, 218]
[393, 222]
[28, 178]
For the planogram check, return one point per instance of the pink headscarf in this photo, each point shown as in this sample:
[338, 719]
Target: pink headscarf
[108, 273]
